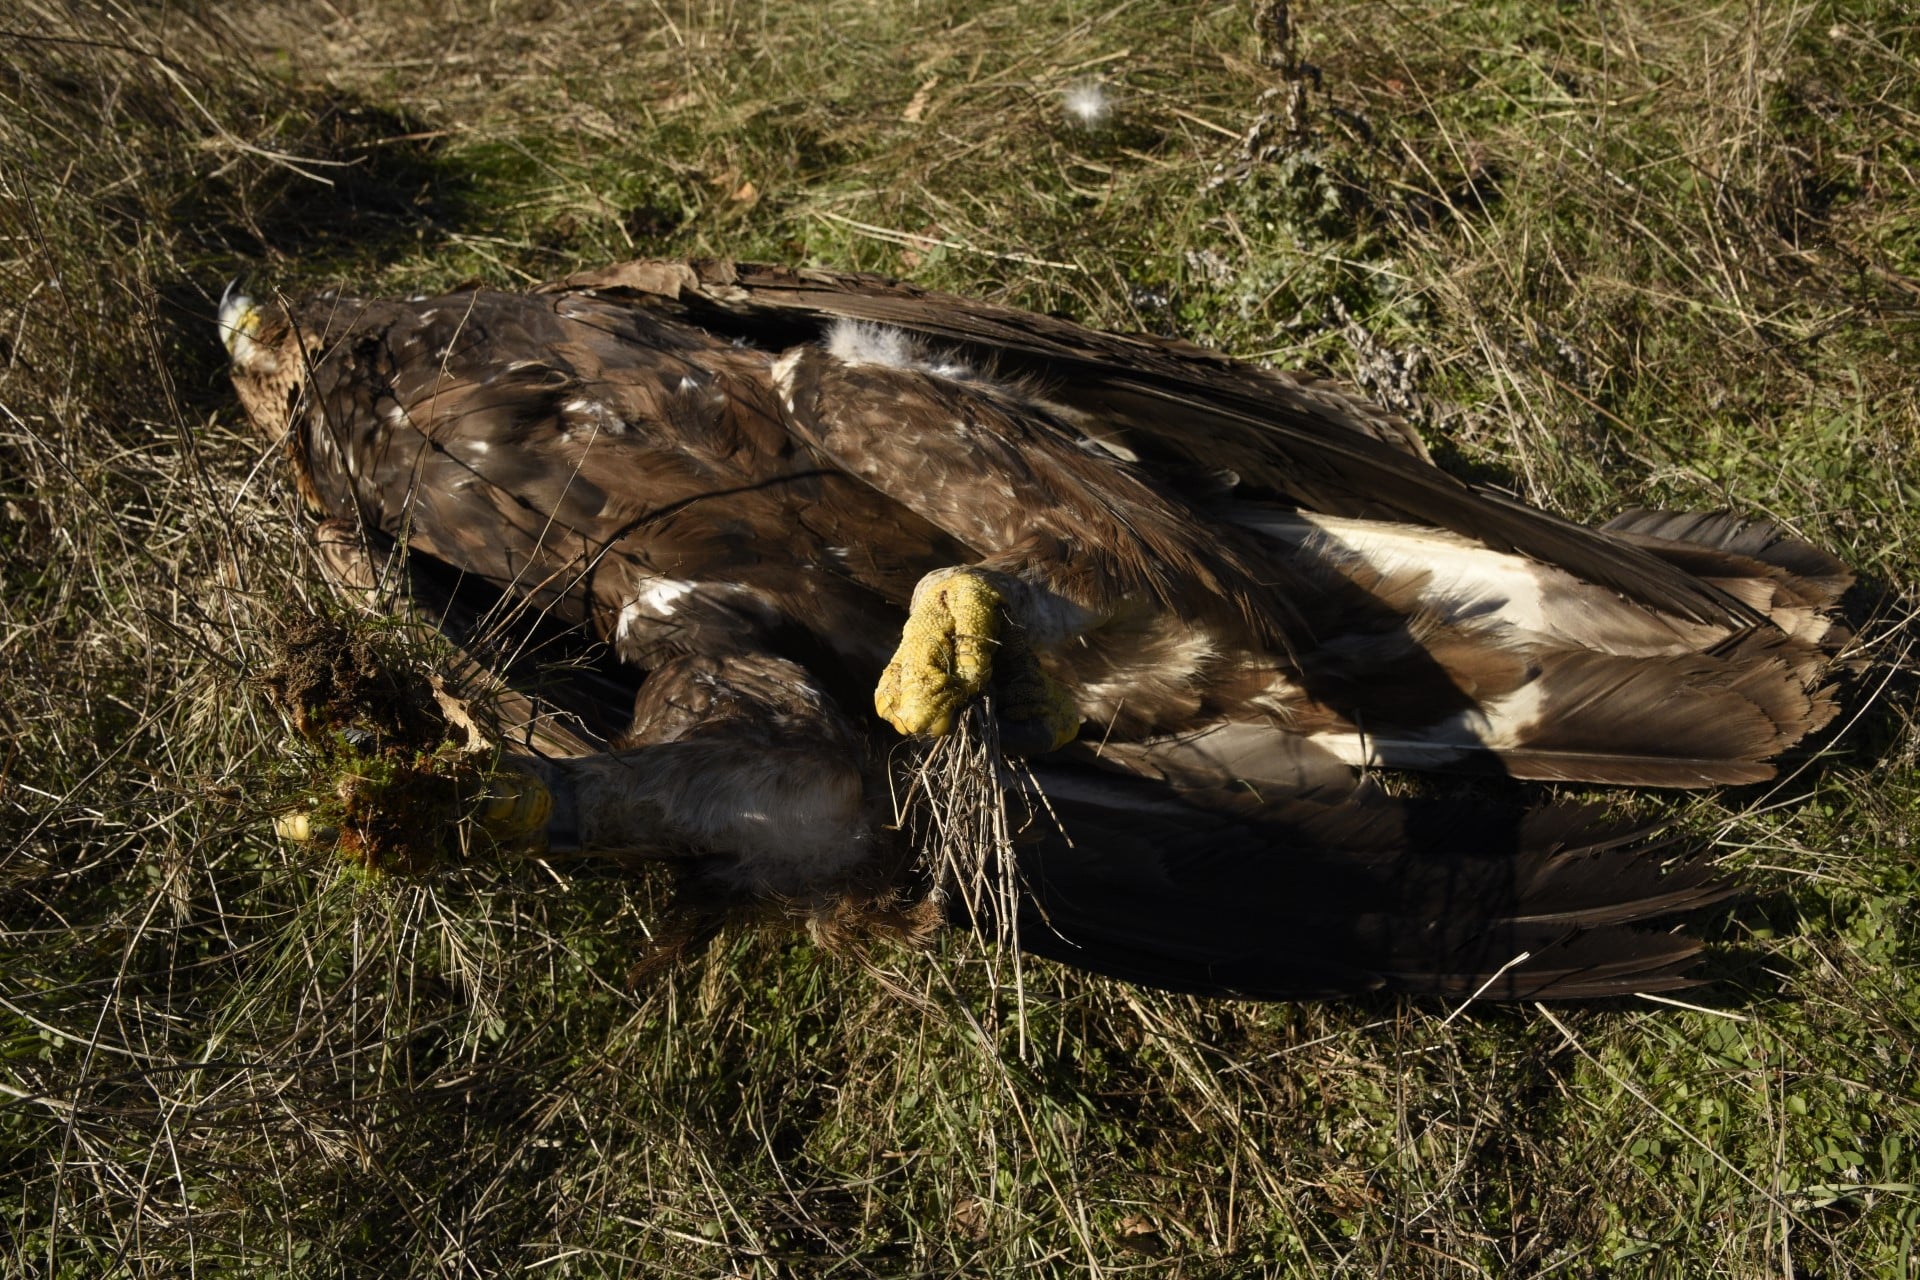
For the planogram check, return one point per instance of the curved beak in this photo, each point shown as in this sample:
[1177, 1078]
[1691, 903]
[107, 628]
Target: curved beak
[237, 318]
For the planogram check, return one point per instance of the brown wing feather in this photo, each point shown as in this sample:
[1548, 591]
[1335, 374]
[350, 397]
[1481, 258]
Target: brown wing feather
[1014, 486]
[1305, 446]
[579, 454]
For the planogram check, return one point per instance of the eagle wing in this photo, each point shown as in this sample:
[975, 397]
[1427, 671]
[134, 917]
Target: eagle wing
[600, 464]
[1116, 464]
[1173, 403]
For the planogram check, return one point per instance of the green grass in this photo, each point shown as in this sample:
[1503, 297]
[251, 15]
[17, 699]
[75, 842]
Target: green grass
[1606, 255]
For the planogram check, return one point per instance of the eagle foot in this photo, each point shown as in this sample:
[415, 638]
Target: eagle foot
[409, 818]
[957, 639]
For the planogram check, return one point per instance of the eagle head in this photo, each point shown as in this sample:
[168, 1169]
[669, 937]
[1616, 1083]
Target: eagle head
[269, 372]
[239, 320]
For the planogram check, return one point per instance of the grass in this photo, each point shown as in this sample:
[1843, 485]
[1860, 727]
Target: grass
[1646, 252]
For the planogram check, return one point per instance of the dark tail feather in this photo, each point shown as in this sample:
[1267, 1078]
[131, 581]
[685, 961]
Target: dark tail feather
[1686, 721]
[1433, 898]
[1821, 577]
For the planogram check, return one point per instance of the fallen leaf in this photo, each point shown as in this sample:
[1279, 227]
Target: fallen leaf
[970, 1219]
[459, 713]
[917, 107]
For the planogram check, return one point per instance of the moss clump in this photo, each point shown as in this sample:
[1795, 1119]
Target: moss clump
[332, 679]
[399, 813]
[387, 789]
[409, 813]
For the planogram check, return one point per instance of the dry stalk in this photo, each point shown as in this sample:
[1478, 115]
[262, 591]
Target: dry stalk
[963, 805]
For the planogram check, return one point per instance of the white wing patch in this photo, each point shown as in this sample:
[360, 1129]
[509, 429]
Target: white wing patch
[655, 602]
[858, 342]
[1464, 579]
[583, 413]
[1469, 584]
[1503, 724]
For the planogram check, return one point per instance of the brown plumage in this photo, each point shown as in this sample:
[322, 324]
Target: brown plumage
[1248, 583]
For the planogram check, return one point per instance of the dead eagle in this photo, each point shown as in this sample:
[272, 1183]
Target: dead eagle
[1199, 594]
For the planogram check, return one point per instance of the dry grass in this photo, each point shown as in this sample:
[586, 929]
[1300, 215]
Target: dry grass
[1637, 253]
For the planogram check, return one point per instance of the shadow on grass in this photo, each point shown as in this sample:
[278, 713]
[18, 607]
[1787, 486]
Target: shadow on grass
[197, 172]
[389, 188]
[366, 187]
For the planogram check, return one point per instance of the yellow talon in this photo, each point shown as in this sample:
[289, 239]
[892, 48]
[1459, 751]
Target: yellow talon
[1037, 712]
[947, 655]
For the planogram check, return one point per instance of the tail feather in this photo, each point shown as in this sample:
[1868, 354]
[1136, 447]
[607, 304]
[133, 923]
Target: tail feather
[1693, 720]
[1480, 660]
[1758, 540]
